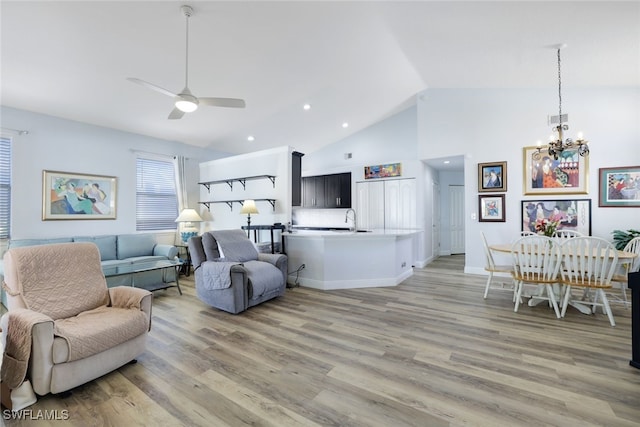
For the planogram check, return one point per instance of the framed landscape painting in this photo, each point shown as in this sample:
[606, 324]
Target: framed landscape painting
[543, 174]
[572, 214]
[77, 196]
[492, 177]
[619, 187]
[491, 208]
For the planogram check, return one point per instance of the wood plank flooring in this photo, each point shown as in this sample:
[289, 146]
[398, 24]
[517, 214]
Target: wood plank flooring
[429, 352]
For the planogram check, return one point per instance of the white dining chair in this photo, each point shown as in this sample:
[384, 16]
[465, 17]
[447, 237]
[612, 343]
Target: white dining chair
[588, 263]
[567, 233]
[620, 277]
[491, 267]
[536, 261]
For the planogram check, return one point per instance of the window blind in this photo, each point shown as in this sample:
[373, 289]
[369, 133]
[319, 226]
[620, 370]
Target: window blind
[5, 187]
[156, 198]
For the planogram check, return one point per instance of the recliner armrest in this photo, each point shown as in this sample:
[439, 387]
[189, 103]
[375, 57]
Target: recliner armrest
[129, 297]
[279, 260]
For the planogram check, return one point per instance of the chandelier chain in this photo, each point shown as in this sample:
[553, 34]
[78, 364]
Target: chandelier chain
[559, 91]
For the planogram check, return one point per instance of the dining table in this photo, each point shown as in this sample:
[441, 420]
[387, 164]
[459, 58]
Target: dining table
[623, 258]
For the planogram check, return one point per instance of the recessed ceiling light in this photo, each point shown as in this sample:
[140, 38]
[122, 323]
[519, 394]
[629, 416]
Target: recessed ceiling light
[345, 125]
[446, 162]
[306, 107]
[251, 138]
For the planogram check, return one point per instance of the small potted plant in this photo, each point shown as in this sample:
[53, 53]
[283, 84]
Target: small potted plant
[621, 238]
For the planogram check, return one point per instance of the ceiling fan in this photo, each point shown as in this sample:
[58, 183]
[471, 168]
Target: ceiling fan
[185, 101]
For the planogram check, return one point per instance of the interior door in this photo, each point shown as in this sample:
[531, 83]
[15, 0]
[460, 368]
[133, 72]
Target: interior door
[456, 218]
[435, 221]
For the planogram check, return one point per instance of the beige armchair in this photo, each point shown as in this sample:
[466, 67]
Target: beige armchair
[64, 327]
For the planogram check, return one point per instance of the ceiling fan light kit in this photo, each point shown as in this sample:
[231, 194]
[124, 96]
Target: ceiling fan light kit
[185, 101]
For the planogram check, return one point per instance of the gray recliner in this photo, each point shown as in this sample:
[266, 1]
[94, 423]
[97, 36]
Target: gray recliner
[231, 275]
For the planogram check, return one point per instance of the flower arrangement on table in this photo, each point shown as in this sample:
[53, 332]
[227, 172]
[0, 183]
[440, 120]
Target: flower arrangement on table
[546, 227]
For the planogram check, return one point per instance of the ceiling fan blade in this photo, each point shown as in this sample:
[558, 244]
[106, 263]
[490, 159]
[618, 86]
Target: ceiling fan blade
[151, 86]
[176, 114]
[223, 102]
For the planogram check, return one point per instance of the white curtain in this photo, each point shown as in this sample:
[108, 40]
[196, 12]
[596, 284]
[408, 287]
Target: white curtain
[181, 182]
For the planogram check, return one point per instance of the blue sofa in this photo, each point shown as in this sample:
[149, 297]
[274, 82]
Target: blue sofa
[116, 250]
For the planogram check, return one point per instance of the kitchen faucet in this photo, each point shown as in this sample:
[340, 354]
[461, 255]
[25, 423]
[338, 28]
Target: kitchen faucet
[346, 218]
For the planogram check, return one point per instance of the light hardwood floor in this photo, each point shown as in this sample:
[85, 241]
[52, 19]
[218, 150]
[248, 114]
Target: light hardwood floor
[429, 352]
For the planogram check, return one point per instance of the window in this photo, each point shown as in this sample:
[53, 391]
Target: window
[156, 198]
[5, 187]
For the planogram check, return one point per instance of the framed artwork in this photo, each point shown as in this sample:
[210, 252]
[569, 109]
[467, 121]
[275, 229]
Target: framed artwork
[77, 196]
[491, 208]
[573, 214]
[383, 171]
[543, 174]
[492, 177]
[619, 187]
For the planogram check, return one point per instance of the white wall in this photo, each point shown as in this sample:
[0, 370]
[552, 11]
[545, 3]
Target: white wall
[493, 125]
[63, 145]
[276, 162]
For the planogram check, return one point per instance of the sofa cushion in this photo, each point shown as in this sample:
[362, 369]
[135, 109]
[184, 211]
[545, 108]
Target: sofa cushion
[106, 245]
[34, 242]
[263, 278]
[134, 245]
[139, 259]
[210, 246]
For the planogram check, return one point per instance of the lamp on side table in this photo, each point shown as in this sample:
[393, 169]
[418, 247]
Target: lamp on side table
[187, 217]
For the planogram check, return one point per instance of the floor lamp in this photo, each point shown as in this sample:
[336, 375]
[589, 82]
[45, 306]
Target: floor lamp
[248, 208]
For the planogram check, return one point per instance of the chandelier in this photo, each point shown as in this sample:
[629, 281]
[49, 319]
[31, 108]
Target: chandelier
[557, 143]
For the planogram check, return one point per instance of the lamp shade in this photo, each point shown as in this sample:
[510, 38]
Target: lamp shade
[249, 207]
[189, 215]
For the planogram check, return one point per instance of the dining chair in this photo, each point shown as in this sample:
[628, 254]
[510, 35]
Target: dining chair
[588, 263]
[621, 275]
[566, 233]
[536, 261]
[492, 268]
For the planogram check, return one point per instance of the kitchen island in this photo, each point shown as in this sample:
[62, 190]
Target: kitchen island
[342, 259]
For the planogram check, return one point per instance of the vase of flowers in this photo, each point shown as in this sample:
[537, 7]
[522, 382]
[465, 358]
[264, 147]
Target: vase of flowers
[545, 227]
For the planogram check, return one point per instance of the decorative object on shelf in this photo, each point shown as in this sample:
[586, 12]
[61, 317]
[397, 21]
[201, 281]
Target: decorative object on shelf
[546, 227]
[491, 208]
[248, 208]
[78, 196]
[569, 174]
[568, 214]
[383, 171]
[187, 217]
[557, 143]
[619, 187]
[492, 177]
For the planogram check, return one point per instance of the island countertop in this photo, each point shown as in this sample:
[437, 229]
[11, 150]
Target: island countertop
[343, 259]
[340, 233]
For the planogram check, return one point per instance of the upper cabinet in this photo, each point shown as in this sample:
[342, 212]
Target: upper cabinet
[327, 191]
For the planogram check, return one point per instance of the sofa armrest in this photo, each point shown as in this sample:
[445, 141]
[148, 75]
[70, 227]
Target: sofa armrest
[129, 297]
[169, 251]
[279, 260]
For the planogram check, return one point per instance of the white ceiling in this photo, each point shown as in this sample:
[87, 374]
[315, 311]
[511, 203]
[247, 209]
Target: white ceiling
[352, 61]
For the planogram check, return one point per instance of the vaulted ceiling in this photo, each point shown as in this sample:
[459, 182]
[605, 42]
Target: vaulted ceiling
[356, 62]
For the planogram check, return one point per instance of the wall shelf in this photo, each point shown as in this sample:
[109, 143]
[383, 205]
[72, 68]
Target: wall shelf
[230, 203]
[242, 180]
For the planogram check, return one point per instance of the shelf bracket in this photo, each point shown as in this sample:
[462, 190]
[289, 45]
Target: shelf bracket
[207, 204]
[243, 181]
[230, 184]
[207, 186]
[230, 204]
[272, 203]
[273, 180]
